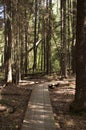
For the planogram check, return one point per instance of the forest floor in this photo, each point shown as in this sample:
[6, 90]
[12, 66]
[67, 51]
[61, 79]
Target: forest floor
[13, 104]
[61, 98]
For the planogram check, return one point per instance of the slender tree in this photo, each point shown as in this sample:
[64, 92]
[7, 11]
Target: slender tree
[26, 40]
[35, 35]
[8, 43]
[74, 3]
[48, 36]
[63, 40]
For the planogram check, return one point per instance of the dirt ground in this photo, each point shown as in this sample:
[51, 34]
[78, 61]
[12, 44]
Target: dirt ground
[61, 98]
[13, 104]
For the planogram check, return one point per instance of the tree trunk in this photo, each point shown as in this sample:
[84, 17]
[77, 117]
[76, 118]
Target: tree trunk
[69, 36]
[35, 36]
[48, 37]
[79, 103]
[63, 40]
[73, 36]
[8, 44]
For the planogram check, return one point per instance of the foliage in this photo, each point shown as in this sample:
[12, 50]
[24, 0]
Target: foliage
[32, 21]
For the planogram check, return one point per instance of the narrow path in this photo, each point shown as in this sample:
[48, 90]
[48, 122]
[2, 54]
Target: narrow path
[39, 115]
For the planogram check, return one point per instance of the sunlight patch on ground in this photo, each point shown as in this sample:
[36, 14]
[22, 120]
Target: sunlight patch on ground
[70, 122]
[31, 82]
[57, 125]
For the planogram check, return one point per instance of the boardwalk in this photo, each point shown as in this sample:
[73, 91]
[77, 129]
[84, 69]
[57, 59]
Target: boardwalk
[39, 115]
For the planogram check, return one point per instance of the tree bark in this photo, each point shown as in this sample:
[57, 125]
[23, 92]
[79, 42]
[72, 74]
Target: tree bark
[63, 40]
[79, 103]
[35, 36]
[8, 44]
[48, 37]
[73, 36]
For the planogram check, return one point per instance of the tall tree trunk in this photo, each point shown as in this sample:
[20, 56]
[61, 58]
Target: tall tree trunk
[74, 36]
[35, 36]
[48, 37]
[63, 40]
[79, 103]
[8, 44]
[26, 54]
[44, 37]
[68, 36]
